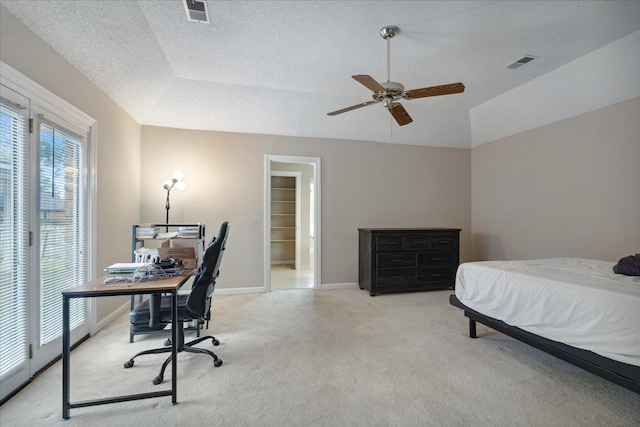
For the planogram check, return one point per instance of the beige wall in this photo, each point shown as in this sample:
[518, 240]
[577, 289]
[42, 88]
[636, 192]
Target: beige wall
[571, 188]
[118, 151]
[363, 185]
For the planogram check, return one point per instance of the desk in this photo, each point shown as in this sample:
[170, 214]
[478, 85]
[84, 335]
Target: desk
[97, 288]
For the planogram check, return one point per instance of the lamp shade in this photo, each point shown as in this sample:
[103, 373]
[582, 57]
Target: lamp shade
[178, 175]
[181, 185]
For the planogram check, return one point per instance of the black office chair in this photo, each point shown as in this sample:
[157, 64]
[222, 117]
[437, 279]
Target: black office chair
[155, 312]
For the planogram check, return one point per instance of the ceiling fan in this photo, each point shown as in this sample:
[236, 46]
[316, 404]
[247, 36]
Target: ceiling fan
[389, 92]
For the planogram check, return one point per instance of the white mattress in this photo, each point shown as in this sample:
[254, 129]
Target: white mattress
[579, 302]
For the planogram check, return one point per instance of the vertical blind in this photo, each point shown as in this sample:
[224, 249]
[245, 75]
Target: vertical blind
[13, 238]
[62, 227]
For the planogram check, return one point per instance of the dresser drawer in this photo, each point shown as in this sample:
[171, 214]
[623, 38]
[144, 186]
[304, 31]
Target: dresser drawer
[396, 259]
[444, 242]
[395, 277]
[384, 243]
[436, 258]
[427, 275]
[416, 242]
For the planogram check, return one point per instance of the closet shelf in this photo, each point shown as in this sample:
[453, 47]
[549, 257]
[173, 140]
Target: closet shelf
[283, 219]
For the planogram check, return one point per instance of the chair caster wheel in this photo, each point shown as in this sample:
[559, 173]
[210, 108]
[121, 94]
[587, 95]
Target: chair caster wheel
[215, 342]
[217, 363]
[157, 380]
[128, 363]
[167, 343]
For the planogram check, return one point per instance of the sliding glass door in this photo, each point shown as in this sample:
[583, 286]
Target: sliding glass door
[43, 235]
[62, 236]
[14, 240]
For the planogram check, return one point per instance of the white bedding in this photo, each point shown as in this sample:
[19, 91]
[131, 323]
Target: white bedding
[579, 302]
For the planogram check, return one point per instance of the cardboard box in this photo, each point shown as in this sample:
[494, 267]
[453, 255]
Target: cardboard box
[196, 244]
[187, 253]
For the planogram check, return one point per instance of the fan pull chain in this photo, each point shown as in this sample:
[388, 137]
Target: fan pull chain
[390, 128]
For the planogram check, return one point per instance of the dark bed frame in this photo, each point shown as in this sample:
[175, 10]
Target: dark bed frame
[623, 374]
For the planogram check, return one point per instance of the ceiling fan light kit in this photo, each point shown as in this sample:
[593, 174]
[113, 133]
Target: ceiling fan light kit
[389, 92]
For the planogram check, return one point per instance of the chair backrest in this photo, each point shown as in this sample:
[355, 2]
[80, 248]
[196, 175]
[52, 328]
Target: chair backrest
[205, 281]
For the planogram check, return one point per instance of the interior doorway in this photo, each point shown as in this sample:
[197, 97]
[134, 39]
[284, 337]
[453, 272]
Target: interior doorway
[292, 226]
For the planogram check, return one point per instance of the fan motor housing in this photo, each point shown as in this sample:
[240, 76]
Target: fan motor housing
[392, 87]
[393, 90]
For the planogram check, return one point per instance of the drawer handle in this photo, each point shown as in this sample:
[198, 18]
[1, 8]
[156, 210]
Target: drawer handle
[444, 241]
[398, 260]
[396, 277]
[437, 259]
[436, 275]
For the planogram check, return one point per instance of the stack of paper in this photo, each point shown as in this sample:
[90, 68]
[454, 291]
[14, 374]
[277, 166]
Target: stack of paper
[146, 232]
[192, 232]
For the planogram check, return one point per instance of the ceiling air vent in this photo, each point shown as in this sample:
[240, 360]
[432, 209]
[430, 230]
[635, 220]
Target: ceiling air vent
[196, 10]
[520, 62]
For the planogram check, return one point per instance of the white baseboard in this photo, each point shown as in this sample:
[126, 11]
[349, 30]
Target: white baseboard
[327, 286]
[257, 290]
[236, 291]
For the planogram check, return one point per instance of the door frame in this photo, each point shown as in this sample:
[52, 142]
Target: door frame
[316, 163]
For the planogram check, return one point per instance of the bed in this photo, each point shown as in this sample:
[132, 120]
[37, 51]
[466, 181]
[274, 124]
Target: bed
[575, 309]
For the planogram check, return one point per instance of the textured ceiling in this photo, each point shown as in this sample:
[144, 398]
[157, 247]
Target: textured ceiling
[277, 67]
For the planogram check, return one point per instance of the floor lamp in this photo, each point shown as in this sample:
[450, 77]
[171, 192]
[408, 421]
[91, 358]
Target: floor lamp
[177, 182]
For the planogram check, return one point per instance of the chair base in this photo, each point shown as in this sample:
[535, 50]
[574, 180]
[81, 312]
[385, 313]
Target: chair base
[188, 347]
[145, 330]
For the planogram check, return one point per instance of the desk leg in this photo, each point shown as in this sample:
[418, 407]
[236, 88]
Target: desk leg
[66, 356]
[174, 348]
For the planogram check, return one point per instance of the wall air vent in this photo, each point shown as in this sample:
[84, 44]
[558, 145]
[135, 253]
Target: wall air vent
[520, 62]
[196, 10]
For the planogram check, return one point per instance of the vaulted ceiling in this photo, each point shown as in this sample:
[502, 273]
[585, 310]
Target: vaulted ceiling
[278, 67]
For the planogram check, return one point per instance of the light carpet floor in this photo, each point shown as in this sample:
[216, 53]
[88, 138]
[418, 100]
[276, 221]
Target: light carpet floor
[331, 358]
[287, 277]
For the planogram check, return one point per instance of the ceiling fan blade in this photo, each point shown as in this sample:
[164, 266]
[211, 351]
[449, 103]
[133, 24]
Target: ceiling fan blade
[353, 107]
[434, 91]
[369, 82]
[400, 114]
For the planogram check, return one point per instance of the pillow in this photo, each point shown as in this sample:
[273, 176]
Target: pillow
[629, 265]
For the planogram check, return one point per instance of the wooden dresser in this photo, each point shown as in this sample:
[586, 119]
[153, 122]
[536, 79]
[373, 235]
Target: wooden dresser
[408, 259]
